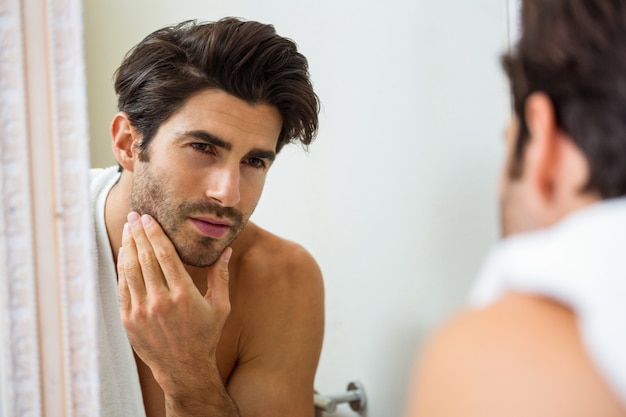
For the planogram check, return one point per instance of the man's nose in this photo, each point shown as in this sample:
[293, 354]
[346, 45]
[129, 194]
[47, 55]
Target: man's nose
[223, 185]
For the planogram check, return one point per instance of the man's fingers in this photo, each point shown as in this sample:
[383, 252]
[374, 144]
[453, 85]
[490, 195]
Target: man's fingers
[150, 269]
[173, 271]
[122, 285]
[130, 264]
[218, 280]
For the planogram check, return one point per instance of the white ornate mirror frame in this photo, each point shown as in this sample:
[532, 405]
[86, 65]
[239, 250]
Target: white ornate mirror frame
[48, 348]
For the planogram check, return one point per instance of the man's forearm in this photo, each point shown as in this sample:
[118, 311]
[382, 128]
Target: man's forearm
[212, 400]
[223, 406]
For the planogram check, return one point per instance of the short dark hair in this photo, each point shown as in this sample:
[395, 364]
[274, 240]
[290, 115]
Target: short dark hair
[574, 51]
[246, 59]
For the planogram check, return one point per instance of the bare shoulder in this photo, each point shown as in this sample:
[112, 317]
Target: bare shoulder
[520, 356]
[275, 277]
[277, 299]
[264, 255]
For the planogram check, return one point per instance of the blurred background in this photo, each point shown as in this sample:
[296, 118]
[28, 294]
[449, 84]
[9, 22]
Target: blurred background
[397, 198]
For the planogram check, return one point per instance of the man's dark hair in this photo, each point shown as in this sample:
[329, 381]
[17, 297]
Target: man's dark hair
[243, 58]
[575, 52]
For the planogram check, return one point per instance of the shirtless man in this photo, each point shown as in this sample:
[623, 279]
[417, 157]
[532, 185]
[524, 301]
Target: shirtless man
[224, 318]
[545, 334]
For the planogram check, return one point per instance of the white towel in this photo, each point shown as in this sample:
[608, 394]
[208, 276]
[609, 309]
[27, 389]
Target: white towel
[120, 391]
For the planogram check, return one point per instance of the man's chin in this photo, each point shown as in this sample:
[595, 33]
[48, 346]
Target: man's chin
[198, 256]
[200, 253]
[199, 261]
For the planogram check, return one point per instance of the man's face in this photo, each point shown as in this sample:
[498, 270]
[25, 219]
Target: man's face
[205, 172]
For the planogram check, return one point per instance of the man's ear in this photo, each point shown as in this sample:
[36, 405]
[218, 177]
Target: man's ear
[123, 136]
[541, 154]
[558, 170]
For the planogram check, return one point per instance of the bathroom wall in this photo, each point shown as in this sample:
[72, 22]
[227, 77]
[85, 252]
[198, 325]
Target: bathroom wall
[397, 198]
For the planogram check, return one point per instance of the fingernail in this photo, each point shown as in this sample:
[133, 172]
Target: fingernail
[133, 217]
[120, 254]
[125, 229]
[227, 253]
[146, 220]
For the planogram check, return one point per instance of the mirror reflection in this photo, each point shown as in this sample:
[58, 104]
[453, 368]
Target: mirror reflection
[408, 149]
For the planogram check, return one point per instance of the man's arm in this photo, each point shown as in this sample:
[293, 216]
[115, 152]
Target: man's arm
[171, 326]
[282, 338]
[523, 356]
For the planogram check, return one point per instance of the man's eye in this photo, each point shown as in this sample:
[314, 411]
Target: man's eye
[256, 163]
[202, 147]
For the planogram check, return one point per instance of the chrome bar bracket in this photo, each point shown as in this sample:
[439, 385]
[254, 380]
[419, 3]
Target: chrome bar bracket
[354, 396]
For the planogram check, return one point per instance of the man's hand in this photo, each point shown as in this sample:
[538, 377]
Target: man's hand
[171, 326]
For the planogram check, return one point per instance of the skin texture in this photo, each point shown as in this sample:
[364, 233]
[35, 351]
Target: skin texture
[521, 356]
[239, 337]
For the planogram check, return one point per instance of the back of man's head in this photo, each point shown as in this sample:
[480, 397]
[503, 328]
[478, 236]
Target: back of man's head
[243, 58]
[575, 52]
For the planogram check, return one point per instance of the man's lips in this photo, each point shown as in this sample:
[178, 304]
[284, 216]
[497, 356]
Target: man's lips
[212, 220]
[215, 228]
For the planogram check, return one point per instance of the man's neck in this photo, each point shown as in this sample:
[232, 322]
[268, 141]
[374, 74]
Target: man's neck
[116, 209]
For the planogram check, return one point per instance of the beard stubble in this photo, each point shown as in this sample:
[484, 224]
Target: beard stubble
[154, 196]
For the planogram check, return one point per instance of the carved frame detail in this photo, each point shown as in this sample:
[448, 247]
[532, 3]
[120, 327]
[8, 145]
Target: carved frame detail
[48, 346]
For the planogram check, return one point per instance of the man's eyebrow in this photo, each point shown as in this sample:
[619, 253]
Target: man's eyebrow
[262, 154]
[215, 141]
[208, 138]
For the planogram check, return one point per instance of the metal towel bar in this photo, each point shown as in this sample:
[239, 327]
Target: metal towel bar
[355, 396]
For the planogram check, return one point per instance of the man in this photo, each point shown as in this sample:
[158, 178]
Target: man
[223, 318]
[545, 333]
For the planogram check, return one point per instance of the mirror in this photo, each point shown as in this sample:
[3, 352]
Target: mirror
[397, 197]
